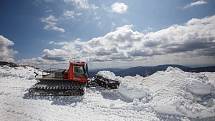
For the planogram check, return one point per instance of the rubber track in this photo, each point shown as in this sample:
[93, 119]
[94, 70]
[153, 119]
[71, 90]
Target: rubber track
[58, 88]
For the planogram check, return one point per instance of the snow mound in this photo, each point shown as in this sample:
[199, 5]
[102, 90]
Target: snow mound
[173, 92]
[107, 74]
[199, 88]
[130, 94]
[131, 88]
[173, 69]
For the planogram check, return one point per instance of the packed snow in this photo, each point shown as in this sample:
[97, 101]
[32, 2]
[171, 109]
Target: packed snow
[107, 74]
[165, 95]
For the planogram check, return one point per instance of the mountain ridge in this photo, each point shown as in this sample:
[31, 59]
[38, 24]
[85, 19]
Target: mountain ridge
[149, 70]
[138, 70]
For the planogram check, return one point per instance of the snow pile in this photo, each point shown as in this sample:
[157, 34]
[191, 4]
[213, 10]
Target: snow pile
[199, 88]
[211, 77]
[173, 92]
[107, 74]
[131, 88]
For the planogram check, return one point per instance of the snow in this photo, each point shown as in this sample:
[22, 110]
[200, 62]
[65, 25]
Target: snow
[199, 88]
[106, 74]
[165, 95]
[131, 88]
[173, 92]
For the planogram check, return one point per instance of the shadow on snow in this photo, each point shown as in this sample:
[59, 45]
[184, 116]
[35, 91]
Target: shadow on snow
[56, 100]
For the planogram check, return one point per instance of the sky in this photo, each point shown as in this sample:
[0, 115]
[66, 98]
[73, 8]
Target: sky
[108, 33]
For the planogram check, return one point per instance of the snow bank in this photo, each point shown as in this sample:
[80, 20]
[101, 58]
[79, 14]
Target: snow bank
[172, 92]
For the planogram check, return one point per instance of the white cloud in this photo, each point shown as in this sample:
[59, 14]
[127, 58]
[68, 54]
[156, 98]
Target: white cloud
[81, 4]
[6, 52]
[196, 38]
[195, 3]
[119, 7]
[55, 54]
[126, 44]
[51, 24]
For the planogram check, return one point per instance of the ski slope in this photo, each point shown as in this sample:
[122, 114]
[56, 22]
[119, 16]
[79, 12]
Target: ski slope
[165, 95]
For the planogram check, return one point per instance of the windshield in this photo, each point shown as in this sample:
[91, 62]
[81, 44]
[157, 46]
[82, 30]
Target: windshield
[79, 71]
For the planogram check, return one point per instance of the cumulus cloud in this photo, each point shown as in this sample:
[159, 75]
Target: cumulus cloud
[51, 24]
[197, 37]
[119, 7]
[6, 52]
[55, 54]
[54, 57]
[194, 39]
[195, 3]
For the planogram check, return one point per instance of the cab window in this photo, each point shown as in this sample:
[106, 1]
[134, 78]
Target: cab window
[79, 71]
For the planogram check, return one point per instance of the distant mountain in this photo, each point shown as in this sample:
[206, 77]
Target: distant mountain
[133, 71]
[149, 70]
[203, 69]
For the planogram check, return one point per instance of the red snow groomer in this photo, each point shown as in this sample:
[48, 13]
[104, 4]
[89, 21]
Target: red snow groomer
[63, 82]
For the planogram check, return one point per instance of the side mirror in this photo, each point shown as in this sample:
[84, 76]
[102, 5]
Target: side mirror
[87, 70]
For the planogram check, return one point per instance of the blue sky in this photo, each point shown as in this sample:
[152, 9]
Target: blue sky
[42, 31]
